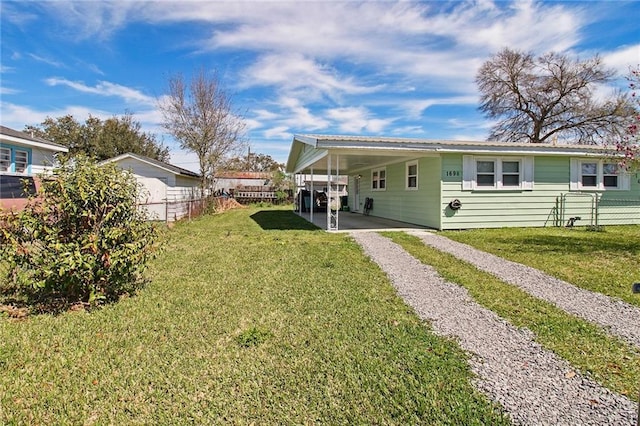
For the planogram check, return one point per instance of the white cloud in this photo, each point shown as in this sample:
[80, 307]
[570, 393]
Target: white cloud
[415, 108]
[105, 88]
[280, 132]
[293, 73]
[94, 19]
[48, 61]
[295, 115]
[622, 59]
[357, 120]
[8, 91]
[18, 116]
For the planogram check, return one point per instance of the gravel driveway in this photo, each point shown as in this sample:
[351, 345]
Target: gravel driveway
[532, 384]
[617, 317]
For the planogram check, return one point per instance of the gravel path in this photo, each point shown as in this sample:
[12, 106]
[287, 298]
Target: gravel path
[617, 317]
[533, 385]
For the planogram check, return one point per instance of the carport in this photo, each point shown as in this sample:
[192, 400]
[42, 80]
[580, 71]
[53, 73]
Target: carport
[336, 156]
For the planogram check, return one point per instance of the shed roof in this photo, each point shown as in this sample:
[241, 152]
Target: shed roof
[156, 163]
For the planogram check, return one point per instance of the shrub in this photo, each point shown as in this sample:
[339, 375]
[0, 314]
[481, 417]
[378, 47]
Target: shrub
[82, 239]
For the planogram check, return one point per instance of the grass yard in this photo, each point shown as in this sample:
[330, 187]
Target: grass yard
[607, 262]
[610, 361]
[243, 322]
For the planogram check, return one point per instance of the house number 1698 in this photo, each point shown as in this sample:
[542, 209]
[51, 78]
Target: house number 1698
[452, 173]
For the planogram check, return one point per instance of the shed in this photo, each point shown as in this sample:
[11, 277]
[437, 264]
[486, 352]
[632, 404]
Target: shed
[22, 158]
[168, 190]
[445, 184]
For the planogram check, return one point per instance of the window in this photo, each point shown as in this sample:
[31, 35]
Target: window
[610, 175]
[511, 173]
[597, 175]
[486, 173]
[379, 179]
[589, 175]
[21, 161]
[14, 159]
[497, 173]
[5, 159]
[412, 175]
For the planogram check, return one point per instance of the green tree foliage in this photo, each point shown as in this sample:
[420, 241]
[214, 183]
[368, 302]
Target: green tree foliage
[101, 139]
[82, 240]
[549, 98]
[252, 162]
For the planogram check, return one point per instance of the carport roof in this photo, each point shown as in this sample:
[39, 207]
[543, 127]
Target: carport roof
[362, 152]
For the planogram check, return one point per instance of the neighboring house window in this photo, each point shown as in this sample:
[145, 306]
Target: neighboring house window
[21, 161]
[14, 159]
[597, 175]
[499, 173]
[5, 159]
[412, 175]
[379, 179]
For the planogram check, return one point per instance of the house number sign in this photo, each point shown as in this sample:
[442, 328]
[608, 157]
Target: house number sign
[452, 173]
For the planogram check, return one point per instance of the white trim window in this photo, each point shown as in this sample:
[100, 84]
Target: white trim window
[5, 159]
[412, 175]
[497, 173]
[21, 161]
[597, 175]
[379, 179]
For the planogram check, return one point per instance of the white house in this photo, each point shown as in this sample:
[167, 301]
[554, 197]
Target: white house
[23, 156]
[168, 192]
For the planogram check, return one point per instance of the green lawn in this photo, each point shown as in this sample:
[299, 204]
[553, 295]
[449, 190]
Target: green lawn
[250, 317]
[607, 262]
[610, 361]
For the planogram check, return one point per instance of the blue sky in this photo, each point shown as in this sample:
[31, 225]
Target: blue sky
[403, 69]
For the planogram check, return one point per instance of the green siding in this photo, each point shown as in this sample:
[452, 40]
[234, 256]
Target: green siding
[533, 208]
[420, 206]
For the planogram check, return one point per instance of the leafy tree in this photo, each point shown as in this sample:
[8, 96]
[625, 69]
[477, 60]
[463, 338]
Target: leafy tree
[630, 144]
[101, 139]
[252, 163]
[549, 98]
[82, 240]
[200, 115]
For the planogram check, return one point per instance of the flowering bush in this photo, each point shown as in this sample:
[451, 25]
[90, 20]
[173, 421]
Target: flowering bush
[83, 239]
[629, 147]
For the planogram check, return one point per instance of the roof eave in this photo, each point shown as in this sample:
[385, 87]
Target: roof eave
[34, 143]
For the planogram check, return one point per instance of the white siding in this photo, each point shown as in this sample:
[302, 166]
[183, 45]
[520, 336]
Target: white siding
[179, 189]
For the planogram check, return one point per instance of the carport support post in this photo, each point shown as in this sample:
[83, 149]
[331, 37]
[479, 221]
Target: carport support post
[332, 215]
[312, 202]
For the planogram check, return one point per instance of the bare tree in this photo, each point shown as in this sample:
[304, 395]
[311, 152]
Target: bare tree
[200, 116]
[549, 98]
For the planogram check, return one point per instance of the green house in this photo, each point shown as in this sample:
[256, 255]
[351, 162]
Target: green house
[444, 184]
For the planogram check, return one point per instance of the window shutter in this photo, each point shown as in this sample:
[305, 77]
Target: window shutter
[527, 177]
[468, 172]
[625, 182]
[574, 174]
